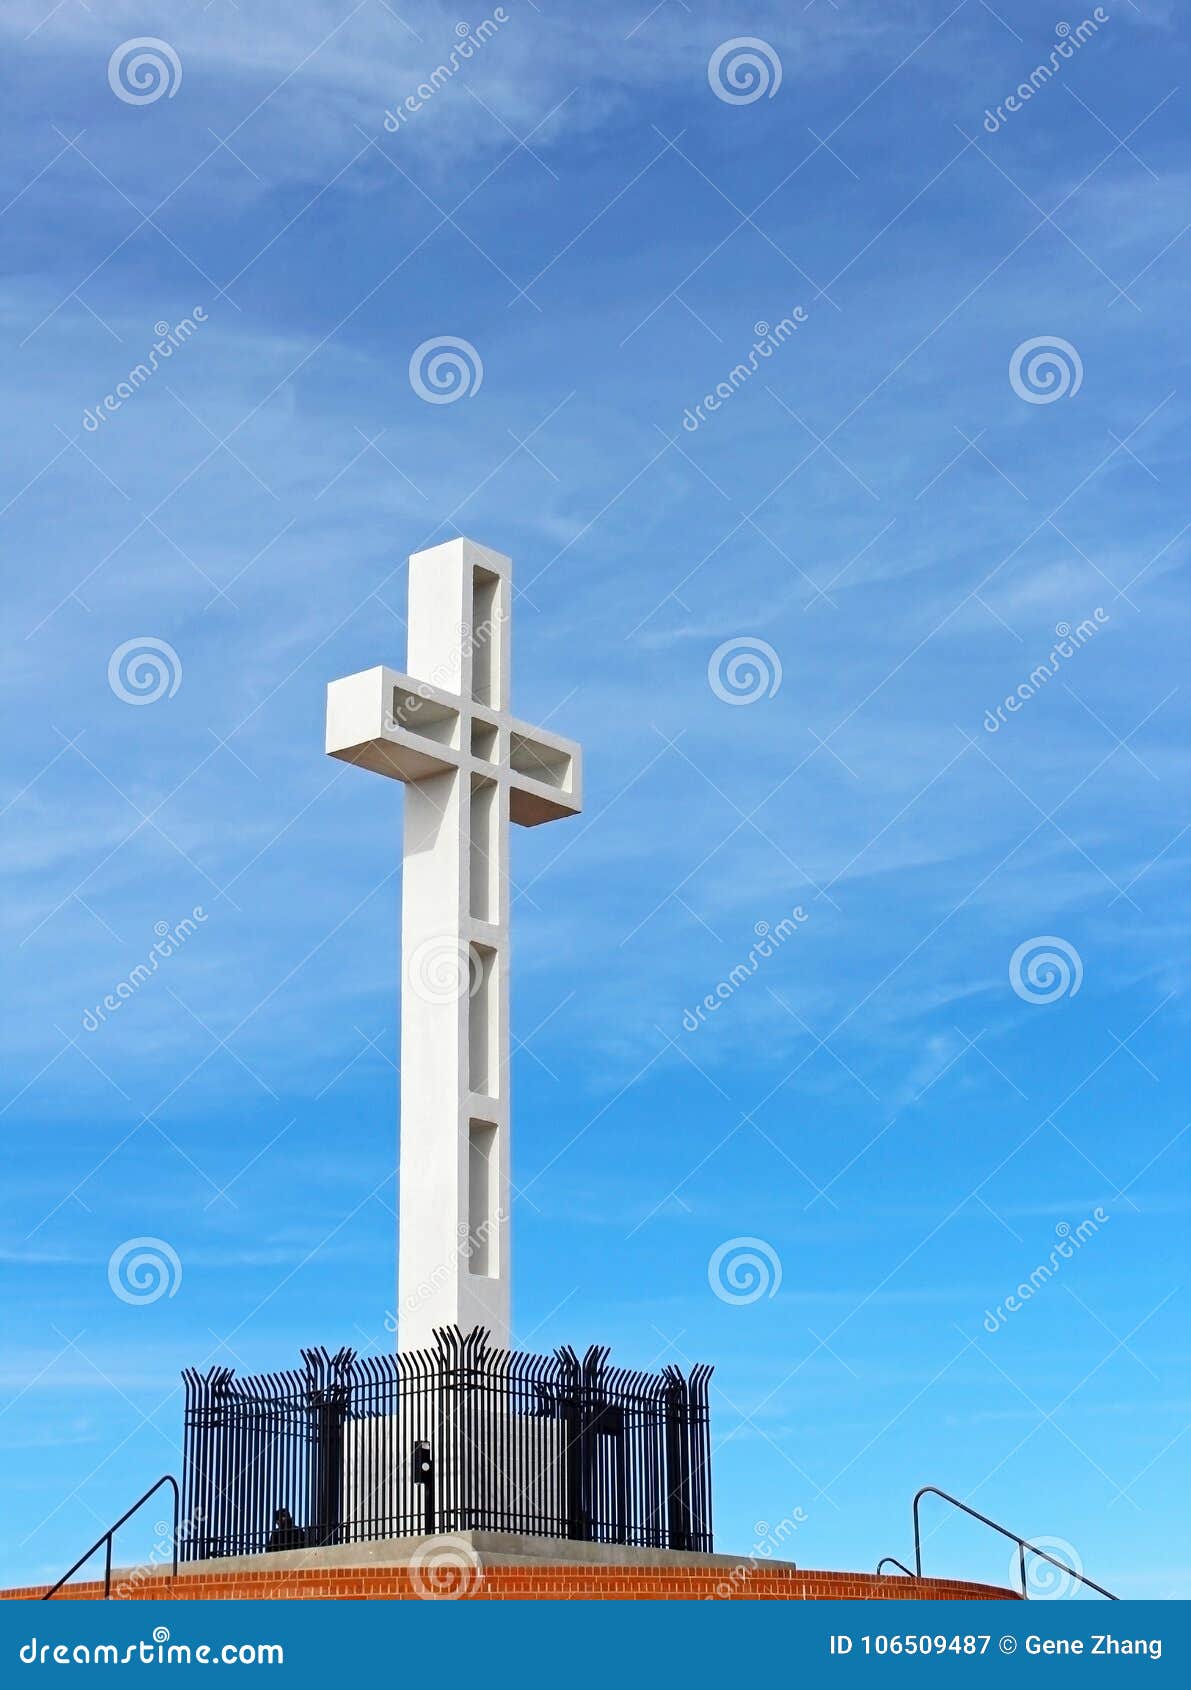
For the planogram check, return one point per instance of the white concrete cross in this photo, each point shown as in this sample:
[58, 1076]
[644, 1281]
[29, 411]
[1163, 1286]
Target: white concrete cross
[470, 768]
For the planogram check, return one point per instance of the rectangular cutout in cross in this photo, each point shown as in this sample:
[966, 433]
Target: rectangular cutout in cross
[484, 739]
[482, 1186]
[485, 846]
[540, 761]
[425, 716]
[483, 1021]
[487, 638]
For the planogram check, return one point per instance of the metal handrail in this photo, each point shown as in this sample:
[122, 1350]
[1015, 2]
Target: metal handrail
[106, 1539]
[1022, 1543]
[892, 1561]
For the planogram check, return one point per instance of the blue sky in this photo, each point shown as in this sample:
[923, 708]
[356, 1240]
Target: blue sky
[903, 524]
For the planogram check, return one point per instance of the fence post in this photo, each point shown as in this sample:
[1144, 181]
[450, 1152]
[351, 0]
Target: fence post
[678, 1468]
[478, 1416]
[207, 1449]
[194, 1439]
[699, 1435]
[327, 1397]
[451, 1456]
[598, 1523]
[571, 1407]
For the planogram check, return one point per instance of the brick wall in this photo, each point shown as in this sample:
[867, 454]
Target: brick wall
[535, 1583]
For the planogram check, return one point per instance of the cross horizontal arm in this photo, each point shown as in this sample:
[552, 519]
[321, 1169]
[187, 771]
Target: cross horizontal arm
[545, 775]
[394, 725]
[410, 730]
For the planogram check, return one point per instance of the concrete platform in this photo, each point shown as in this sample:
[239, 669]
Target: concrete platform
[482, 1549]
[497, 1566]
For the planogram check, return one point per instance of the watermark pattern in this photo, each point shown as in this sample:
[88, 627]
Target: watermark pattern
[469, 42]
[743, 70]
[768, 940]
[445, 1570]
[169, 939]
[144, 669]
[471, 1241]
[143, 1270]
[444, 369]
[169, 338]
[1070, 1239]
[1045, 968]
[770, 1540]
[743, 1270]
[1044, 369]
[1067, 42]
[1070, 640]
[443, 969]
[1045, 1581]
[766, 344]
[443, 675]
[744, 669]
[140, 71]
[162, 1552]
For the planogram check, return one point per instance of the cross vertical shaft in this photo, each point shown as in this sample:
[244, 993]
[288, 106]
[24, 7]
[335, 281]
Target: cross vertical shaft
[444, 729]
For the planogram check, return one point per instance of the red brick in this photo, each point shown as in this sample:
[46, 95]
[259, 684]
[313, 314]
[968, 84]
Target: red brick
[541, 1584]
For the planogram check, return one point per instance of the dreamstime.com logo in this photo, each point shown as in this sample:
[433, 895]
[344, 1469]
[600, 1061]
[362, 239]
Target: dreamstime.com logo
[769, 1540]
[1069, 1239]
[769, 937]
[1067, 40]
[140, 71]
[444, 369]
[468, 43]
[155, 1652]
[143, 1270]
[445, 1570]
[445, 675]
[168, 940]
[162, 1552]
[1044, 369]
[768, 341]
[1068, 641]
[1044, 969]
[169, 339]
[144, 669]
[743, 70]
[743, 1270]
[744, 669]
[470, 1242]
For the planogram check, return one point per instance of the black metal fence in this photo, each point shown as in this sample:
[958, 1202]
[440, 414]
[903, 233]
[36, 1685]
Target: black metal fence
[349, 1449]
